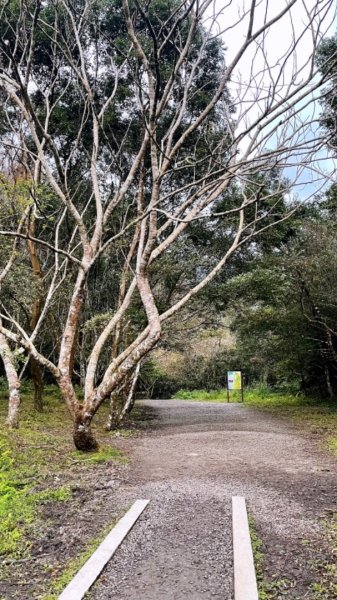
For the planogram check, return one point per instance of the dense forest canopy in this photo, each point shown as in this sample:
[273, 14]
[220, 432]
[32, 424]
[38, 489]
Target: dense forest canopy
[141, 188]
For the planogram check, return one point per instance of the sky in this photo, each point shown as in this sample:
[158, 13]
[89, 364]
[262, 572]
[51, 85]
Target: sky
[253, 78]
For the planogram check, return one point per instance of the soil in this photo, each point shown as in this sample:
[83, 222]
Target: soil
[189, 459]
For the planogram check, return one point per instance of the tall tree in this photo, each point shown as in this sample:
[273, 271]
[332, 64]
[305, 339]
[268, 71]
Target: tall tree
[123, 109]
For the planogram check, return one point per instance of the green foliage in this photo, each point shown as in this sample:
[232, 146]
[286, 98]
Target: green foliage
[104, 454]
[326, 60]
[202, 395]
[257, 547]
[28, 459]
[286, 314]
[255, 396]
[18, 501]
[332, 444]
[155, 382]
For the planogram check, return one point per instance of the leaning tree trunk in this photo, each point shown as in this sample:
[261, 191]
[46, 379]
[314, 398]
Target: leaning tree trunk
[13, 380]
[130, 400]
[328, 382]
[127, 393]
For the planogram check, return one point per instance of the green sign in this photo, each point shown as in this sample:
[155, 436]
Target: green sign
[234, 380]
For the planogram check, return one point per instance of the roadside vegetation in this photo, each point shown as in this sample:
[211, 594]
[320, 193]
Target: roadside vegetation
[151, 239]
[324, 586]
[43, 478]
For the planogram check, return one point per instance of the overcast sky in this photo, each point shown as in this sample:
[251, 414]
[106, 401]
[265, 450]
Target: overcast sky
[233, 23]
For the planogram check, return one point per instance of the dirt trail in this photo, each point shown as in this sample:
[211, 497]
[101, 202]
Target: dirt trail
[194, 457]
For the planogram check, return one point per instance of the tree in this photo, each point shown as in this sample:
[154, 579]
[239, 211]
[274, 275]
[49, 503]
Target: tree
[286, 318]
[14, 208]
[123, 111]
[326, 61]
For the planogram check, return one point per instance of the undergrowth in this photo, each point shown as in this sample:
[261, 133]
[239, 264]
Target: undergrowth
[31, 458]
[258, 555]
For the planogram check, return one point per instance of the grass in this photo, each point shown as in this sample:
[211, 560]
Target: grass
[258, 557]
[18, 500]
[317, 416]
[325, 588]
[268, 590]
[29, 458]
[104, 454]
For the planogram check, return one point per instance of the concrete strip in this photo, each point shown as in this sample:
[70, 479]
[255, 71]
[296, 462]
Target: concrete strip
[88, 574]
[245, 586]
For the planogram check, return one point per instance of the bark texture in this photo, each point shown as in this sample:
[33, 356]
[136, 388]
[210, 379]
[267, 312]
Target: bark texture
[84, 439]
[14, 399]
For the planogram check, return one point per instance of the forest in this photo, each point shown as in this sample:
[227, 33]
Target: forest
[168, 213]
[159, 222]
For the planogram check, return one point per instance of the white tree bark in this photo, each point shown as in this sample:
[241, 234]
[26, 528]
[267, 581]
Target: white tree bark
[13, 383]
[261, 127]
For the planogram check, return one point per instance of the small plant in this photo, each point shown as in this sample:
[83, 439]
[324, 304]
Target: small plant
[258, 558]
[18, 504]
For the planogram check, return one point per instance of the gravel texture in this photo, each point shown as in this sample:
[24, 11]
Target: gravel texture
[190, 463]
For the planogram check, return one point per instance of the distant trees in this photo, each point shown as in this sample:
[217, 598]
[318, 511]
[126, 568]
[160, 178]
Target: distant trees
[287, 315]
[326, 60]
[131, 127]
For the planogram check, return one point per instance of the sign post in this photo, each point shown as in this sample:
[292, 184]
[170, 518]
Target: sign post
[234, 382]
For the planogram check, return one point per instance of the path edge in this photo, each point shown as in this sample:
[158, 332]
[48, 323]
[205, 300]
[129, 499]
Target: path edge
[90, 571]
[245, 584]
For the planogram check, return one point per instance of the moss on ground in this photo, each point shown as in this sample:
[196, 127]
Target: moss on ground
[29, 456]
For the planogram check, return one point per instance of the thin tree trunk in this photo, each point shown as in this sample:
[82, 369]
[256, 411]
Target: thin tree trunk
[112, 421]
[37, 378]
[35, 367]
[128, 406]
[14, 399]
[328, 383]
[127, 391]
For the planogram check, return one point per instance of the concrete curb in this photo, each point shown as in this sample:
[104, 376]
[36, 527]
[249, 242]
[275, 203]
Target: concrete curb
[88, 574]
[245, 585]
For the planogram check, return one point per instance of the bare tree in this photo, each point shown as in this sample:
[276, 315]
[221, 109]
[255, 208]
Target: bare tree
[6, 352]
[160, 137]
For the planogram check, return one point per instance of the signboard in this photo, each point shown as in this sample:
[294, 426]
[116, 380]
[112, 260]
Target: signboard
[234, 380]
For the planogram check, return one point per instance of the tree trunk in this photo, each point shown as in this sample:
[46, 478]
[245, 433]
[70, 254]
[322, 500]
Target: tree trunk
[126, 393]
[128, 406]
[36, 370]
[14, 398]
[303, 385]
[84, 439]
[14, 402]
[328, 383]
[113, 420]
[37, 378]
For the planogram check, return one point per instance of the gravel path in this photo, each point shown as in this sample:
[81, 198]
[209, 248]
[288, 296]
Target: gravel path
[190, 463]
